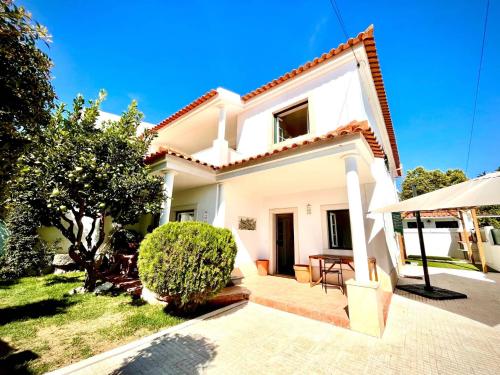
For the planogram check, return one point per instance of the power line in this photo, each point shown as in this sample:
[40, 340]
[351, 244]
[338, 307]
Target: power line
[477, 86]
[336, 9]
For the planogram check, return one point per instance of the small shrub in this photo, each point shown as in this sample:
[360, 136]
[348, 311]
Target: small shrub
[25, 254]
[187, 262]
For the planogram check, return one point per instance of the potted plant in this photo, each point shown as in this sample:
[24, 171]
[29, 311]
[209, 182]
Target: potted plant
[301, 273]
[263, 266]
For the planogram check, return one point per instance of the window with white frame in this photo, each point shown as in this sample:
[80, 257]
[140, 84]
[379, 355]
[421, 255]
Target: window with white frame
[291, 122]
[339, 229]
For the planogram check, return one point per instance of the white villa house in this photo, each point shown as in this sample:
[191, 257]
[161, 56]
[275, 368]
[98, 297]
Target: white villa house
[292, 168]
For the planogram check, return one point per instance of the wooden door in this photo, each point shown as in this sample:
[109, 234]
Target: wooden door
[285, 250]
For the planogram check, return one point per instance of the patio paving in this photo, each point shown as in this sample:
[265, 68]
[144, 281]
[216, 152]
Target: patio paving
[288, 295]
[421, 337]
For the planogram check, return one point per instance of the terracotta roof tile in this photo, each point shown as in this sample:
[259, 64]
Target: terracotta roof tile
[368, 41]
[437, 213]
[202, 99]
[351, 128]
[164, 151]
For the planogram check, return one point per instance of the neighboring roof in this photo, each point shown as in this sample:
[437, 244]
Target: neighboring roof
[349, 129]
[181, 112]
[367, 38]
[430, 214]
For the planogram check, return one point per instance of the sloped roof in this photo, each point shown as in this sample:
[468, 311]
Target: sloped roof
[354, 127]
[366, 38]
[430, 214]
[181, 112]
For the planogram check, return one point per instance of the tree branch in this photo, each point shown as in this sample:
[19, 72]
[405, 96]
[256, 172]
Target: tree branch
[100, 239]
[67, 232]
[91, 232]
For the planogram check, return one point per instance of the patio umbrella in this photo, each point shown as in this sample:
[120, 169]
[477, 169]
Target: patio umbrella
[481, 191]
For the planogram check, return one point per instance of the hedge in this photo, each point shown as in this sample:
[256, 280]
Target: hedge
[186, 262]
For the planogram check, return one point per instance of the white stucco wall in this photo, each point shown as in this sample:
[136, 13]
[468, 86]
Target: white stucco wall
[210, 155]
[335, 99]
[311, 235]
[441, 242]
[491, 251]
[202, 200]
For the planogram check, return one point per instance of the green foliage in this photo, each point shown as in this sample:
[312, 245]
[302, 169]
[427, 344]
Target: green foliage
[187, 262]
[4, 235]
[125, 240]
[25, 253]
[26, 94]
[38, 316]
[489, 210]
[84, 169]
[427, 181]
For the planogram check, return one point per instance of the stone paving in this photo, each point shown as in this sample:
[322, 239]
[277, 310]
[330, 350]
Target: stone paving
[421, 337]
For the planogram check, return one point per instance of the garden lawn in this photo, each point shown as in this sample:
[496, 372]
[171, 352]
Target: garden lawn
[43, 328]
[443, 262]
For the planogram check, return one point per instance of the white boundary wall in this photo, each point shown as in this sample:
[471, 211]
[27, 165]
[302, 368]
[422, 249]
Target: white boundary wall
[492, 251]
[441, 242]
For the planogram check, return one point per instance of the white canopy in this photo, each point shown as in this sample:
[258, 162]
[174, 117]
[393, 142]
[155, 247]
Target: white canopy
[481, 191]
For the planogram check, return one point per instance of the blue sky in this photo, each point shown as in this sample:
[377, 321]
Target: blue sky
[166, 53]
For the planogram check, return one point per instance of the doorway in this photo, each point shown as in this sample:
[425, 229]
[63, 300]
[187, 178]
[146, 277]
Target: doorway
[285, 248]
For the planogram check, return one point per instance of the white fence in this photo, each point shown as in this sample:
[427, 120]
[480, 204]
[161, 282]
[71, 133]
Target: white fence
[441, 242]
[491, 251]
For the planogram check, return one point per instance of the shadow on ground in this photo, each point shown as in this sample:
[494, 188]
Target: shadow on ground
[171, 354]
[12, 362]
[6, 284]
[34, 310]
[56, 279]
[482, 303]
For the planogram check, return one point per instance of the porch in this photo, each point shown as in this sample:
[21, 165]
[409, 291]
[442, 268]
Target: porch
[286, 294]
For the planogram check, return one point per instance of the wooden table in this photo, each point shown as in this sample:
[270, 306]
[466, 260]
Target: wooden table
[344, 259]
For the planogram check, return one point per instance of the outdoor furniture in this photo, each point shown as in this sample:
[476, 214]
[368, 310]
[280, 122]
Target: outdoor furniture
[343, 259]
[328, 267]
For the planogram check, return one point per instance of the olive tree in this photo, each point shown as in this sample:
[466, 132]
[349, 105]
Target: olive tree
[86, 169]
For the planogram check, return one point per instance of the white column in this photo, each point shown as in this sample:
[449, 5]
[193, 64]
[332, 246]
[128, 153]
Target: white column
[221, 130]
[356, 216]
[220, 207]
[220, 145]
[168, 186]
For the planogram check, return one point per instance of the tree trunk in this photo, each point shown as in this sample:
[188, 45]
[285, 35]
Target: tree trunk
[90, 279]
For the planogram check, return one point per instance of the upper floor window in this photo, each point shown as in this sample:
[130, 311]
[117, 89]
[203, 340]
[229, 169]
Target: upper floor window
[291, 122]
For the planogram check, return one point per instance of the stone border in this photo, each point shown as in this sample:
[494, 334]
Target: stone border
[134, 344]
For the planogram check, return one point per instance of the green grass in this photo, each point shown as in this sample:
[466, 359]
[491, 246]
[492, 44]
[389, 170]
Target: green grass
[43, 328]
[442, 262]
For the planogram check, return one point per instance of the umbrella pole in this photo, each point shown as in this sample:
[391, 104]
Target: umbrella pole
[428, 286]
[420, 225]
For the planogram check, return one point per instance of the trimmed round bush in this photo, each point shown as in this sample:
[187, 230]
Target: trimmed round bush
[186, 262]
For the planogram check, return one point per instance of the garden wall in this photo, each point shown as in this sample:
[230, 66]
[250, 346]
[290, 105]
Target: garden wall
[441, 242]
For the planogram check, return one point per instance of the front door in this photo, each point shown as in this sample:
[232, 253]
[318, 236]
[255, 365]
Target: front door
[285, 252]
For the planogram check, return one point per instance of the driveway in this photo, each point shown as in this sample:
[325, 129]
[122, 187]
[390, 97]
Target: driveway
[421, 337]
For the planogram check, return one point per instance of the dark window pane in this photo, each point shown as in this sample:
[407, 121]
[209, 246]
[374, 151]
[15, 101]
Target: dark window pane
[413, 225]
[291, 123]
[447, 224]
[339, 229]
